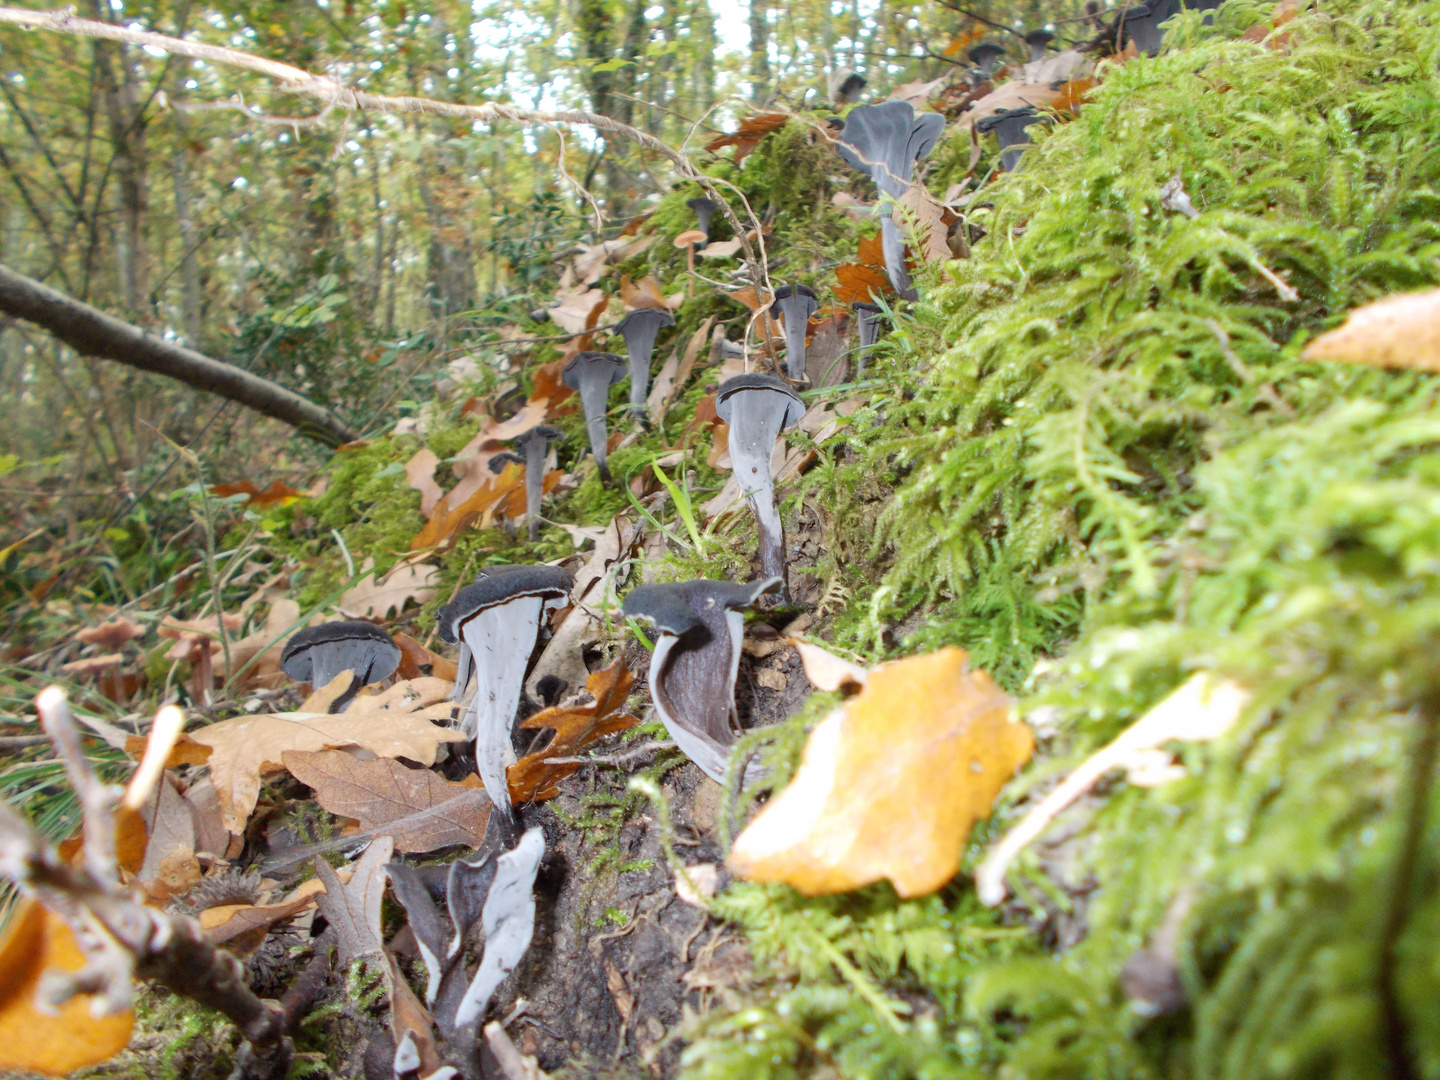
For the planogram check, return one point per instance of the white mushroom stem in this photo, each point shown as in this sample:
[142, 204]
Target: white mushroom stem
[500, 640]
[755, 424]
[892, 244]
[595, 396]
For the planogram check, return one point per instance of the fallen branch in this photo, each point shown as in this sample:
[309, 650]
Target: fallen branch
[91, 332]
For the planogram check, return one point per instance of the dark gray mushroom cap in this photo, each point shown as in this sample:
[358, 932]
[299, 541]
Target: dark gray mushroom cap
[503, 458]
[671, 607]
[994, 120]
[790, 292]
[740, 384]
[645, 318]
[985, 52]
[1039, 37]
[886, 140]
[866, 308]
[359, 646]
[543, 432]
[851, 84]
[588, 365]
[499, 585]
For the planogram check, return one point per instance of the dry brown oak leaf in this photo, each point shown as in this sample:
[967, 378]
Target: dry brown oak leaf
[534, 777]
[1396, 332]
[891, 782]
[386, 794]
[748, 135]
[395, 723]
[56, 1044]
[404, 582]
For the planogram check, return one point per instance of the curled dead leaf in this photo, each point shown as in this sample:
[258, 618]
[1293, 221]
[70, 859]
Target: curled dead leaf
[1397, 332]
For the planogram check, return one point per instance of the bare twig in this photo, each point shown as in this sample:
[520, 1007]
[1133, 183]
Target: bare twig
[120, 937]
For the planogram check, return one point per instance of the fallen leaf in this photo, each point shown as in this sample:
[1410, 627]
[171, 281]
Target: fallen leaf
[826, 671]
[264, 643]
[929, 234]
[534, 777]
[890, 783]
[721, 249]
[420, 475]
[384, 794]
[242, 928]
[695, 885]
[395, 723]
[917, 92]
[446, 523]
[277, 492]
[414, 657]
[578, 310]
[676, 373]
[645, 293]
[548, 388]
[871, 252]
[1014, 94]
[1400, 331]
[859, 283]
[748, 135]
[37, 941]
[369, 598]
[353, 909]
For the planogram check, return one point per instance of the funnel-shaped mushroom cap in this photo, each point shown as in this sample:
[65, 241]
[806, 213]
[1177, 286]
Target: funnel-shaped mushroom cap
[1140, 23]
[1038, 40]
[1009, 126]
[885, 141]
[846, 87]
[697, 656]
[639, 329]
[534, 444]
[758, 408]
[796, 303]
[871, 319]
[503, 458]
[593, 373]
[703, 208]
[497, 621]
[317, 654]
[984, 56]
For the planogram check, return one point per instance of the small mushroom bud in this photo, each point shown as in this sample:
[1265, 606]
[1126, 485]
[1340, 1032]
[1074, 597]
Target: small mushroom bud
[795, 303]
[1009, 127]
[758, 408]
[639, 329]
[592, 374]
[983, 56]
[703, 208]
[317, 654]
[533, 444]
[1038, 40]
[871, 321]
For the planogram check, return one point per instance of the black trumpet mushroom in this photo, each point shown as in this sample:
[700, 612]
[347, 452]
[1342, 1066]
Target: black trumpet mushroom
[592, 374]
[496, 620]
[639, 329]
[846, 87]
[1009, 127]
[871, 320]
[885, 141]
[1038, 40]
[796, 303]
[317, 654]
[533, 446]
[701, 627]
[983, 56]
[1140, 23]
[704, 209]
[758, 408]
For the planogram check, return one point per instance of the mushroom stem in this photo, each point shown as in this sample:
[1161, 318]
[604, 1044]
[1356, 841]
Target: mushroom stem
[751, 459]
[892, 243]
[594, 397]
[690, 264]
[503, 631]
[534, 484]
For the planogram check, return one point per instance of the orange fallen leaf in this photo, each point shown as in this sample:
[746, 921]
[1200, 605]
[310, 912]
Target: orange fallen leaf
[56, 1044]
[445, 523]
[513, 504]
[130, 835]
[645, 293]
[277, 492]
[548, 387]
[890, 783]
[859, 283]
[1400, 331]
[414, 657]
[534, 777]
[748, 135]
[871, 252]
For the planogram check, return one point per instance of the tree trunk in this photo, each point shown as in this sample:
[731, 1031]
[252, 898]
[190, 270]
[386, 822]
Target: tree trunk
[190, 288]
[91, 332]
[759, 51]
